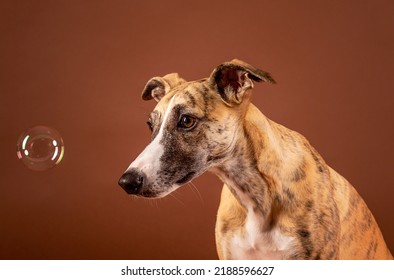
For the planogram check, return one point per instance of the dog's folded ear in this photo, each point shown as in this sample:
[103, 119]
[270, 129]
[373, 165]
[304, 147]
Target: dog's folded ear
[157, 87]
[233, 79]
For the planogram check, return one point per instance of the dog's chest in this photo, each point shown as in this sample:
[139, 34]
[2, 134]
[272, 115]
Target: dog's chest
[253, 243]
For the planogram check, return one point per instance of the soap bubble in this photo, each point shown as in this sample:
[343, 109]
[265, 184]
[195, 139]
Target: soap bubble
[40, 148]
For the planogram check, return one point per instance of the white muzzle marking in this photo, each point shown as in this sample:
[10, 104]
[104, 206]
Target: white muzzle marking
[149, 159]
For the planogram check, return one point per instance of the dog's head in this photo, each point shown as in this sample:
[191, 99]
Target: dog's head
[194, 127]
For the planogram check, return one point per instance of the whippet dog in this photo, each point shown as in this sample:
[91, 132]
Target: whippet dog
[280, 200]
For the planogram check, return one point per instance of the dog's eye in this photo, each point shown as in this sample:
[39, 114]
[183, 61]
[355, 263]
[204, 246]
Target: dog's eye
[187, 122]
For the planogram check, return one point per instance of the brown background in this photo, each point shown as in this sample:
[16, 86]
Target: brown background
[79, 66]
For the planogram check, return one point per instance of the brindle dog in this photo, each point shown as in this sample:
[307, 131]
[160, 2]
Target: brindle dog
[280, 199]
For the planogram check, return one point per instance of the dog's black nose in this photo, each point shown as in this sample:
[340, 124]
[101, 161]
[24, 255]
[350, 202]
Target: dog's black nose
[132, 181]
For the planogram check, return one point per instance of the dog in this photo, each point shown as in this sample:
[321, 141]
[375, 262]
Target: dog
[280, 200]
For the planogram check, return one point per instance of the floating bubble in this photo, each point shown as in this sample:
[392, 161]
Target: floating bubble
[40, 148]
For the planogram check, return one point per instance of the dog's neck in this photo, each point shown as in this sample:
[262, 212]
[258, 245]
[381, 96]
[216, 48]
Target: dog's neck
[252, 171]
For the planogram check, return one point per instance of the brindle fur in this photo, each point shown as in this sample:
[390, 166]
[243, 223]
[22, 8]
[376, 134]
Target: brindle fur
[280, 199]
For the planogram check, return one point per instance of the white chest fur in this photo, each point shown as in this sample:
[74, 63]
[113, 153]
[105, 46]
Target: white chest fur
[254, 239]
[254, 243]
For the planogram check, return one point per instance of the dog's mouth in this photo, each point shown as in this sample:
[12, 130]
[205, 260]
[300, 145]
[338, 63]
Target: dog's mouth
[149, 193]
[186, 178]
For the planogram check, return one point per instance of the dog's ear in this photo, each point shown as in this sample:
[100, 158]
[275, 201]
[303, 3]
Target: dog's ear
[157, 87]
[233, 79]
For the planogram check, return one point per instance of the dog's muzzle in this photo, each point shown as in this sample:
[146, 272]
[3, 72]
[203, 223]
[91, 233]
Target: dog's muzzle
[132, 181]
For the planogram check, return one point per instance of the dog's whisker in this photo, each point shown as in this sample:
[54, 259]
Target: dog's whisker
[195, 191]
[155, 201]
[177, 199]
